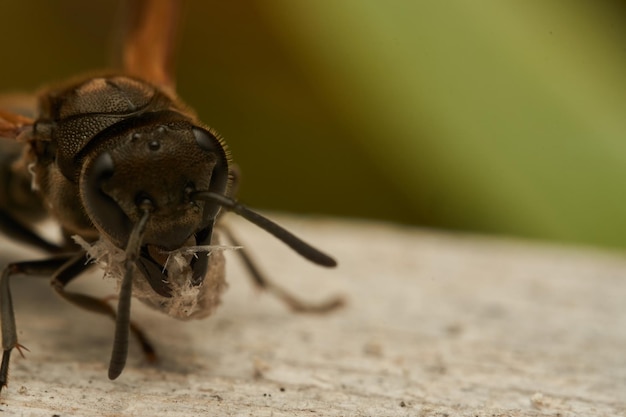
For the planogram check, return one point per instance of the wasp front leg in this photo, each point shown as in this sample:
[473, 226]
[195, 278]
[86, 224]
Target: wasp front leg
[63, 269]
[7, 314]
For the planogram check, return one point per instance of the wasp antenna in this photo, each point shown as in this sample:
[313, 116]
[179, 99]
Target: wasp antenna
[304, 249]
[122, 323]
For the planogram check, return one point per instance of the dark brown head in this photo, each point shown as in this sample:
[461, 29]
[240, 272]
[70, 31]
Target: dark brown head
[158, 163]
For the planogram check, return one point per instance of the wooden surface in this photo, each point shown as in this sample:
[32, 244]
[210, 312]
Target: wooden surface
[436, 325]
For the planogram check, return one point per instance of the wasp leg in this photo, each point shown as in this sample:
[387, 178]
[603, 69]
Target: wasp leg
[70, 270]
[63, 268]
[12, 228]
[7, 314]
[262, 282]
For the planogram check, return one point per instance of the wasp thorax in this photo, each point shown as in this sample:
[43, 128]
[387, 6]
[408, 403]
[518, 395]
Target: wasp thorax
[158, 166]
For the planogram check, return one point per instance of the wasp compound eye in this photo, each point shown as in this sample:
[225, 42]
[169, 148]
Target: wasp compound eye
[210, 144]
[102, 209]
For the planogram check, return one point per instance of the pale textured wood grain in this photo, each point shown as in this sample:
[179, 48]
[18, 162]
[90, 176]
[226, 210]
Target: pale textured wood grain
[436, 325]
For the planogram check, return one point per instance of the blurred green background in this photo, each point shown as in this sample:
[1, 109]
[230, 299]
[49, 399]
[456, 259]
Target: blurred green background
[496, 116]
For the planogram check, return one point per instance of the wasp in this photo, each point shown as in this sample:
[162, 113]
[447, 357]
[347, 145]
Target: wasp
[136, 182]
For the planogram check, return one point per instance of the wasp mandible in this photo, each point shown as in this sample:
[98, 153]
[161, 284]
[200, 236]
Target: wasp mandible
[135, 181]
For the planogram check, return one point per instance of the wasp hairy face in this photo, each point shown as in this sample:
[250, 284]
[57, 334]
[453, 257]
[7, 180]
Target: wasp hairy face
[137, 184]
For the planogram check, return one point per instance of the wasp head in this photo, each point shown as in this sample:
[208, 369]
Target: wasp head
[156, 167]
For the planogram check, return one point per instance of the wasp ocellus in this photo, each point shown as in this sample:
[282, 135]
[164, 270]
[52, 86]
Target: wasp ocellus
[136, 182]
